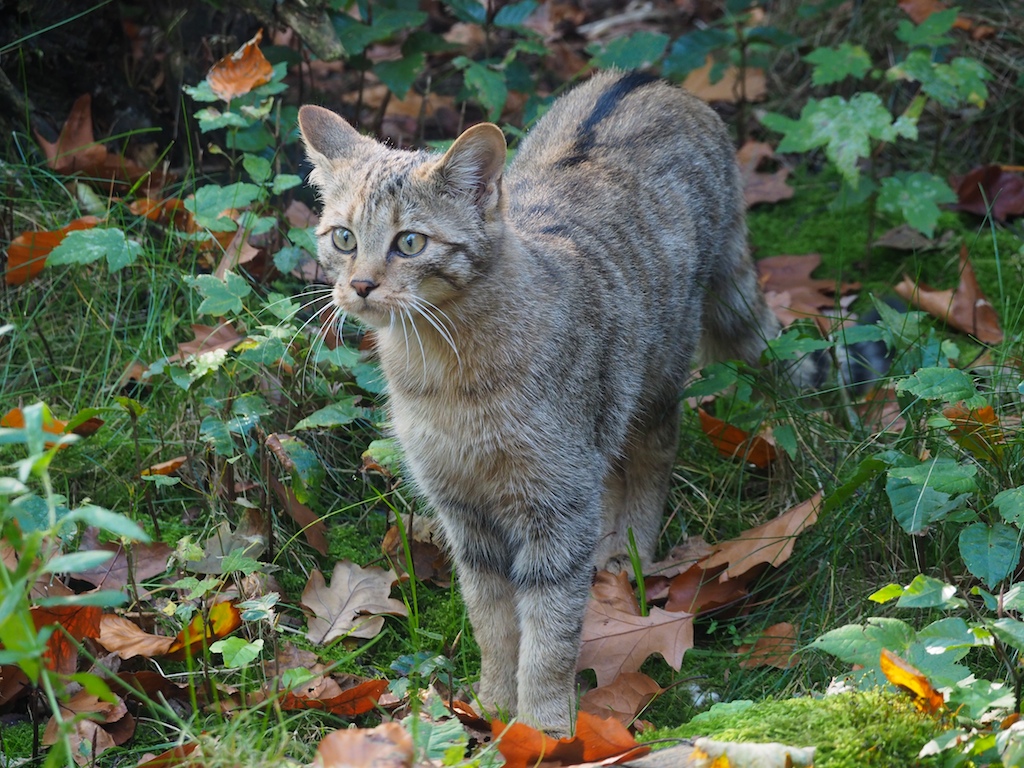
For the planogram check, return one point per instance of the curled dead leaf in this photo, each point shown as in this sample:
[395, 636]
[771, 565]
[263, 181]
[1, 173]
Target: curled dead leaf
[904, 675]
[238, 73]
[387, 746]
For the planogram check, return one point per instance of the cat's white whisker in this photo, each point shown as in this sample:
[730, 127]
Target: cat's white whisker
[426, 310]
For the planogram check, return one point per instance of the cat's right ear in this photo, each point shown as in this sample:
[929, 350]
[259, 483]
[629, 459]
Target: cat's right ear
[472, 166]
[327, 135]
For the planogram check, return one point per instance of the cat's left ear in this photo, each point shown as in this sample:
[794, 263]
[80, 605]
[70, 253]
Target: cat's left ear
[327, 136]
[472, 166]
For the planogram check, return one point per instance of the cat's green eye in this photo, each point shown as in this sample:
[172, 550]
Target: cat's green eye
[344, 239]
[410, 243]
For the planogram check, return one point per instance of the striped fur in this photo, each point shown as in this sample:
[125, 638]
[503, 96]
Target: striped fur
[536, 348]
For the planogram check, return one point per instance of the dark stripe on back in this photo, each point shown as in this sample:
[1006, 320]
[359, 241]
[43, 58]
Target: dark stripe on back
[605, 106]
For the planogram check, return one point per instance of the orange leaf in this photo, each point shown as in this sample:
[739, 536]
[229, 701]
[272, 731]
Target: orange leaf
[387, 746]
[27, 253]
[976, 430]
[165, 467]
[776, 647]
[624, 699]
[241, 71]
[597, 739]
[223, 620]
[909, 678]
[349, 703]
[695, 590]
[78, 622]
[734, 442]
[175, 757]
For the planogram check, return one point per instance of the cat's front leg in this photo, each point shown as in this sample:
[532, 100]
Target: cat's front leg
[490, 601]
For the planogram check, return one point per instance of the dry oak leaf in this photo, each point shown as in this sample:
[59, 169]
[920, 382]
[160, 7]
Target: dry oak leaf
[223, 619]
[909, 678]
[770, 543]
[128, 640]
[430, 561]
[238, 73]
[964, 308]
[760, 186]
[998, 189]
[149, 560]
[387, 746]
[175, 757]
[698, 589]
[349, 702]
[89, 737]
[733, 442]
[806, 296]
[26, 255]
[595, 739]
[729, 87]
[776, 647]
[617, 639]
[681, 557]
[624, 699]
[352, 606]
[207, 338]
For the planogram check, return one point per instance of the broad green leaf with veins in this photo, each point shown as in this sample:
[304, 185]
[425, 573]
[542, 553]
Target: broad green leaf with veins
[917, 197]
[89, 245]
[960, 81]
[844, 128]
[991, 552]
[833, 65]
[220, 297]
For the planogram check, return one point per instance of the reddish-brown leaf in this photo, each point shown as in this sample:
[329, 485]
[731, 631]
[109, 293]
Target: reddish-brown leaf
[597, 740]
[733, 442]
[238, 73]
[388, 745]
[224, 619]
[776, 647]
[175, 757]
[149, 560]
[908, 677]
[995, 189]
[26, 255]
[13, 684]
[920, 10]
[976, 430]
[78, 622]
[965, 308]
[429, 559]
[729, 87]
[624, 699]
[165, 467]
[312, 525]
[126, 639]
[791, 291]
[770, 543]
[350, 702]
[697, 590]
[207, 339]
[112, 726]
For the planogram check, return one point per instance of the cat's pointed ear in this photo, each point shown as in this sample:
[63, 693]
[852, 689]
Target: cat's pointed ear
[472, 166]
[327, 135]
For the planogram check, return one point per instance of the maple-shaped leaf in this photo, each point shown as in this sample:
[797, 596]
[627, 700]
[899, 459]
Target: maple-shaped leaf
[904, 675]
[994, 189]
[238, 73]
[733, 442]
[128, 640]
[770, 543]
[964, 308]
[617, 639]
[90, 737]
[605, 741]
[681, 557]
[696, 589]
[89, 245]
[776, 647]
[330, 697]
[353, 605]
[26, 255]
[624, 699]
[388, 746]
[761, 186]
[221, 620]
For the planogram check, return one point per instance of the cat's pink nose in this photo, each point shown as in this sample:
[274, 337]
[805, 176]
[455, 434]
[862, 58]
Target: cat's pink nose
[363, 287]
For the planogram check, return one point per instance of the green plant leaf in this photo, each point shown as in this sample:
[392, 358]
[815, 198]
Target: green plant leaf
[212, 119]
[833, 65]
[844, 128]
[220, 296]
[468, 10]
[952, 633]
[257, 167]
[399, 75]
[215, 432]
[691, 51]
[335, 415]
[210, 201]
[105, 520]
[927, 592]
[306, 469]
[944, 474]
[76, 562]
[916, 507]
[285, 181]
[1010, 504]
[237, 651]
[486, 85]
[863, 643]
[916, 196]
[85, 246]
[386, 453]
[1010, 631]
[930, 33]
[962, 81]
[514, 14]
[942, 383]
[991, 552]
[886, 593]
[636, 51]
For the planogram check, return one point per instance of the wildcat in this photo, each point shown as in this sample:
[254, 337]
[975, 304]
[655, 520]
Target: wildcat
[535, 326]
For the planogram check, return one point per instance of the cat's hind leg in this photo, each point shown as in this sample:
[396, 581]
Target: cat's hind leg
[636, 487]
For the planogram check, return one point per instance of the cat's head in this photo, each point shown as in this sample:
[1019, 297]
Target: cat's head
[402, 228]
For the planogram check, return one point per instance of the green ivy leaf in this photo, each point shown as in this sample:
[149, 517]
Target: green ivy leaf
[942, 383]
[486, 85]
[220, 296]
[991, 552]
[833, 65]
[916, 196]
[636, 51]
[1010, 504]
[400, 74]
[84, 246]
[211, 201]
[844, 128]
[335, 415]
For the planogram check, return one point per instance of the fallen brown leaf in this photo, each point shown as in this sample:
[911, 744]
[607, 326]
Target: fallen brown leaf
[26, 255]
[352, 606]
[595, 739]
[728, 88]
[207, 339]
[776, 647]
[387, 746]
[760, 186]
[312, 525]
[964, 308]
[770, 543]
[797, 294]
[89, 737]
[77, 622]
[430, 560]
[625, 698]
[238, 73]
[128, 640]
[344, 702]
[997, 189]
[698, 589]
[149, 560]
[733, 442]
[222, 619]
